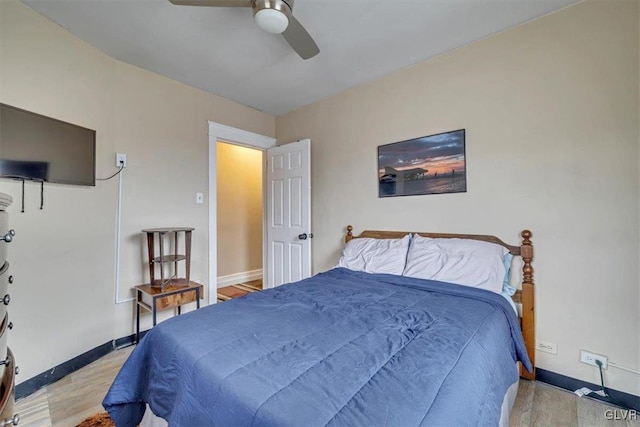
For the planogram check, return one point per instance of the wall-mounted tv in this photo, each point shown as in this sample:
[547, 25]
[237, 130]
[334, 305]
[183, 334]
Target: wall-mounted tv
[40, 148]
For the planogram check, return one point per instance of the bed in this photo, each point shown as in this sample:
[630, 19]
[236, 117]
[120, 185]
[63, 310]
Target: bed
[343, 347]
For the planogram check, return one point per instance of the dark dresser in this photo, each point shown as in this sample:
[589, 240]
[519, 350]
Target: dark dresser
[8, 369]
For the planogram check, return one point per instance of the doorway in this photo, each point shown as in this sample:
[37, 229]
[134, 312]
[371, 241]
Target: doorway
[219, 132]
[240, 213]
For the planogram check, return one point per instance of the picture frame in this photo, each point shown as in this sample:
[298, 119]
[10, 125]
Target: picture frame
[432, 164]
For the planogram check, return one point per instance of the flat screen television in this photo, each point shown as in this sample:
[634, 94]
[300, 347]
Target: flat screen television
[40, 148]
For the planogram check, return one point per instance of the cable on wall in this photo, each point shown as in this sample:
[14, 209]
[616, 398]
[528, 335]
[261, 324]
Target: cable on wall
[624, 368]
[116, 291]
[118, 238]
[604, 389]
[117, 173]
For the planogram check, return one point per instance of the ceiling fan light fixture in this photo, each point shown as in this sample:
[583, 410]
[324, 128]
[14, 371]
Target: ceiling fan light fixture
[272, 16]
[272, 21]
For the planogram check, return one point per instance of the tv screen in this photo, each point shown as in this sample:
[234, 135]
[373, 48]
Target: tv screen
[36, 147]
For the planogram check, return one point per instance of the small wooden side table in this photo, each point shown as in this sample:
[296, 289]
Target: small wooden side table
[173, 295]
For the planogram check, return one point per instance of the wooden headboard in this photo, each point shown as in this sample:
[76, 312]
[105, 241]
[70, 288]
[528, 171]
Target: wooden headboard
[525, 296]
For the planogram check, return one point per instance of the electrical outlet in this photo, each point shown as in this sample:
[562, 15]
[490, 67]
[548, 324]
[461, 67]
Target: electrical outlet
[199, 198]
[590, 358]
[121, 160]
[547, 347]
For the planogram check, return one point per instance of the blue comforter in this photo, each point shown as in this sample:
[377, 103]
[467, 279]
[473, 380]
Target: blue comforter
[340, 348]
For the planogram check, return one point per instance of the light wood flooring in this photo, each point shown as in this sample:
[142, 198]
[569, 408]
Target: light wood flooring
[80, 394]
[241, 289]
[75, 397]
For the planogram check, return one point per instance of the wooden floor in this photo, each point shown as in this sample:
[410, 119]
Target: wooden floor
[539, 404]
[80, 394]
[241, 289]
[75, 397]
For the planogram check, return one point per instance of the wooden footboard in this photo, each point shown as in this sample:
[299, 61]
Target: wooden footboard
[524, 296]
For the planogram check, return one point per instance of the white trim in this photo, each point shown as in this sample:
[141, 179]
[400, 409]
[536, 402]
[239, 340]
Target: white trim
[220, 132]
[239, 278]
[240, 136]
[265, 242]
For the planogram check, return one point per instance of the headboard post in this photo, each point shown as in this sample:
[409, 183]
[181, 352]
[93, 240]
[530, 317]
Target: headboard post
[528, 318]
[349, 235]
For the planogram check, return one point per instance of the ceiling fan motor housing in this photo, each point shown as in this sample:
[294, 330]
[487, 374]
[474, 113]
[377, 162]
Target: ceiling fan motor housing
[272, 16]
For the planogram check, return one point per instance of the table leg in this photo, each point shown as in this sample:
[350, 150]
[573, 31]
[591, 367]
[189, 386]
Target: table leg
[137, 321]
[153, 310]
[161, 261]
[151, 245]
[187, 252]
[198, 297]
[175, 252]
[179, 310]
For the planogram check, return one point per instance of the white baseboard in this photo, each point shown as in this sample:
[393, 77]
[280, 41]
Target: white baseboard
[243, 277]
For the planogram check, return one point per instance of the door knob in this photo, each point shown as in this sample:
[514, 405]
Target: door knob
[302, 236]
[11, 421]
[9, 236]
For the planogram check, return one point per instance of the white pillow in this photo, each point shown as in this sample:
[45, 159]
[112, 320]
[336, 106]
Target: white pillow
[461, 261]
[376, 255]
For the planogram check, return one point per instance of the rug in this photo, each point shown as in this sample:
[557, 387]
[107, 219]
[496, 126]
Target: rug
[101, 419]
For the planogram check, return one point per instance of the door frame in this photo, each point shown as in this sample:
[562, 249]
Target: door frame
[236, 136]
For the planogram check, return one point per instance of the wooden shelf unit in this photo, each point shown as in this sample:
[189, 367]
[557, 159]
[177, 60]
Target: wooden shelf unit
[166, 258]
[167, 291]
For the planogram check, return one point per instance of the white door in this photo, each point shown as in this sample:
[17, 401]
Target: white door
[288, 213]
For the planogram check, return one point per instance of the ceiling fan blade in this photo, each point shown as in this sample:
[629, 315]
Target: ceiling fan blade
[300, 40]
[212, 3]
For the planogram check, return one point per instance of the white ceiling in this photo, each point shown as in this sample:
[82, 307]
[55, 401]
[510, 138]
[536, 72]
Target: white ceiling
[222, 51]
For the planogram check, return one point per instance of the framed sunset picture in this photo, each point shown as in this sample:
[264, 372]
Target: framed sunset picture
[433, 164]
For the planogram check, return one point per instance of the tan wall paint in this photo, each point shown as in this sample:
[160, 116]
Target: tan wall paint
[63, 257]
[239, 182]
[551, 114]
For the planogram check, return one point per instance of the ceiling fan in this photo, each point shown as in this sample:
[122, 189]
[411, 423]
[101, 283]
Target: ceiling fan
[273, 16]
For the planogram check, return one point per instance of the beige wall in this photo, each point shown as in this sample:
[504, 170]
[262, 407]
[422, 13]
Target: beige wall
[239, 182]
[63, 257]
[551, 117]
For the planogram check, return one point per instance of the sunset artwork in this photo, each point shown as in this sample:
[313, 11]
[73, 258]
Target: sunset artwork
[432, 164]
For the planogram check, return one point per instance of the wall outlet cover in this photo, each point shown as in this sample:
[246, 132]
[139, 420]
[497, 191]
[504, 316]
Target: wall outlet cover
[590, 358]
[547, 347]
[121, 160]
